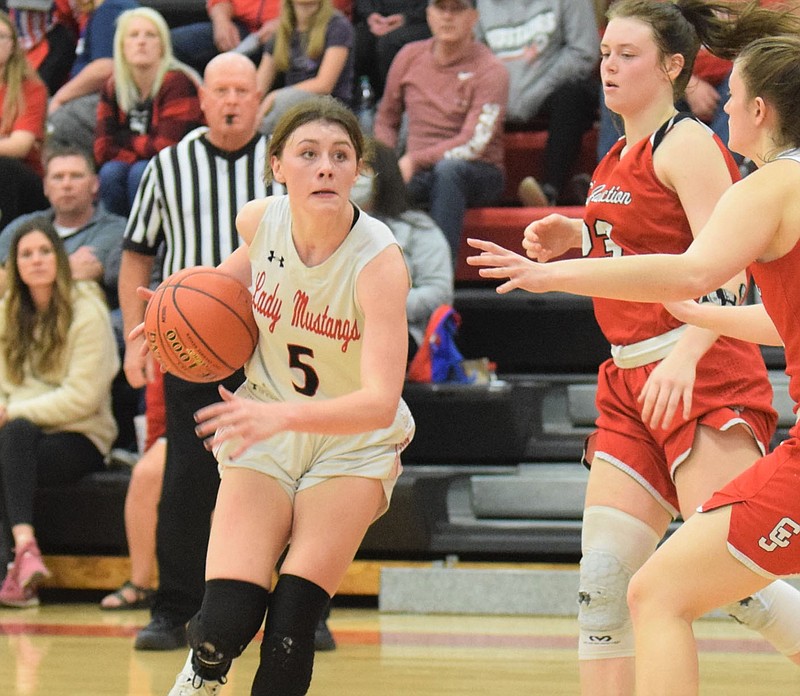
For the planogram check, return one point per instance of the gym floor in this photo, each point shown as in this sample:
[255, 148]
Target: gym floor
[74, 649]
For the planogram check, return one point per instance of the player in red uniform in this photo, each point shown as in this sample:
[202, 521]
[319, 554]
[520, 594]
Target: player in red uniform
[681, 411]
[747, 534]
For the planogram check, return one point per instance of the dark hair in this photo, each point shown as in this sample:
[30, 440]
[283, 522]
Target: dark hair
[321, 107]
[770, 69]
[55, 149]
[389, 194]
[35, 336]
[682, 26]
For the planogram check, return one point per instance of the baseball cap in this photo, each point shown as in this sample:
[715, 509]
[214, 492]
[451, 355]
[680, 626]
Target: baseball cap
[466, 4]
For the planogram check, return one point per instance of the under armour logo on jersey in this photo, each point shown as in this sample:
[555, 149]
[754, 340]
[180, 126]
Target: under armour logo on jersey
[781, 535]
[272, 258]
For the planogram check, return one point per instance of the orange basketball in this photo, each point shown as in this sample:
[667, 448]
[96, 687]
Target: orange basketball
[200, 325]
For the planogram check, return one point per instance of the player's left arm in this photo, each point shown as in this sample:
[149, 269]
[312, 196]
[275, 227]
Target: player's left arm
[747, 323]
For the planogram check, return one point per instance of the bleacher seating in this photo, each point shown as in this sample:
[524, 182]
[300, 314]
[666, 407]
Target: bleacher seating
[515, 430]
[525, 157]
[494, 470]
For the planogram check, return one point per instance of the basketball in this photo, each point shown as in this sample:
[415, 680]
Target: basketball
[199, 324]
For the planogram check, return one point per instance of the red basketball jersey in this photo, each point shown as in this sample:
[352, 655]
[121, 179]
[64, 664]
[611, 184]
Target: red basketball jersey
[629, 211]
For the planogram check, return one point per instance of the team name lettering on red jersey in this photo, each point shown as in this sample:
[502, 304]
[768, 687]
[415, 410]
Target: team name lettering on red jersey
[267, 304]
[600, 194]
[323, 325]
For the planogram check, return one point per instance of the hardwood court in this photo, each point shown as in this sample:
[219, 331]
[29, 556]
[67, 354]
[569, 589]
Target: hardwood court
[78, 650]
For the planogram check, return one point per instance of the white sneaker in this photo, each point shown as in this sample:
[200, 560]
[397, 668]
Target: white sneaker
[190, 684]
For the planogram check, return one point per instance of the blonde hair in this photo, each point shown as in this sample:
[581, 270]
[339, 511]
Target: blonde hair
[315, 43]
[15, 73]
[125, 88]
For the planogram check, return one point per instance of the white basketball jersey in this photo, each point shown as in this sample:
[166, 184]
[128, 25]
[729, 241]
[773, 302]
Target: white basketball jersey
[310, 322]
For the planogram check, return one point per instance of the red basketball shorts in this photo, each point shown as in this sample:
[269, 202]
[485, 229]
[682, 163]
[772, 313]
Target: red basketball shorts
[651, 455]
[764, 533]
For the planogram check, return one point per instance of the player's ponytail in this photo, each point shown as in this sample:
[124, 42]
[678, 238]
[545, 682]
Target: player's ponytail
[725, 28]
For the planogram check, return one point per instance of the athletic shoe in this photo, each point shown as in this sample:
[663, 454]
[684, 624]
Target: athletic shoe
[188, 683]
[161, 634]
[12, 594]
[532, 195]
[31, 569]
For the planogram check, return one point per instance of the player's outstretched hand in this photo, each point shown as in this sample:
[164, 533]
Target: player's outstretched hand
[244, 420]
[550, 237]
[499, 263]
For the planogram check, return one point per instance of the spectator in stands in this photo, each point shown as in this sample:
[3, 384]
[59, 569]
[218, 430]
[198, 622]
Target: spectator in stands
[382, 28]
[150, 103]
[312, 52]
[241, 25]
[48, 32]
[91, 235]
[681, 410]
[141, 505]
[72, 109]
[23, 101]
[381, 192]
[550, 48]
[454, 92]
[57, 361]
[196, 230]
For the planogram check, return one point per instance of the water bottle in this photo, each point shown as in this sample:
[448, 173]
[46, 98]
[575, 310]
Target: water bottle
[366, 106]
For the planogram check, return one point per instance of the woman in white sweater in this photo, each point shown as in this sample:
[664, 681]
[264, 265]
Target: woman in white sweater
[58, 358]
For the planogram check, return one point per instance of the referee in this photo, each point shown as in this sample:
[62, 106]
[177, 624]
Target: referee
[187, 201]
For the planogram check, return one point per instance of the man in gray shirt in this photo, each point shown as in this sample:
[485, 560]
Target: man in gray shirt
[92, 236]
[551, 49]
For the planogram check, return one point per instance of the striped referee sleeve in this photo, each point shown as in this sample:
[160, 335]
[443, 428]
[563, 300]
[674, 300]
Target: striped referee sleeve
[189, 197]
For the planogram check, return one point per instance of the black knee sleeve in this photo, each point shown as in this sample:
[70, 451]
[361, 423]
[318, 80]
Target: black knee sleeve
[287, 651]
[229, 618]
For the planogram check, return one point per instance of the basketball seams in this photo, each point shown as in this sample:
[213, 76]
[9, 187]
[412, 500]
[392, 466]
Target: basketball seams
[195, 312]
[246, 305]
[194, 329]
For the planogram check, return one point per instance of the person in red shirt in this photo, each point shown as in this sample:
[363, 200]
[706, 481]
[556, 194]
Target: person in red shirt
[453, 91]
[150, 103]
[24, 107]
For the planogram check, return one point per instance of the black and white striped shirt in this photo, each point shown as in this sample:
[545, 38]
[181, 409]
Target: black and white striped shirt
[189, 197]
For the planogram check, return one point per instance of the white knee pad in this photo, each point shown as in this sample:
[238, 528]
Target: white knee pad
[615, 545]
[774, 612]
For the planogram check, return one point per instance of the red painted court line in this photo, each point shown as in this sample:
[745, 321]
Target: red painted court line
[82, 630]
[391, 639]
